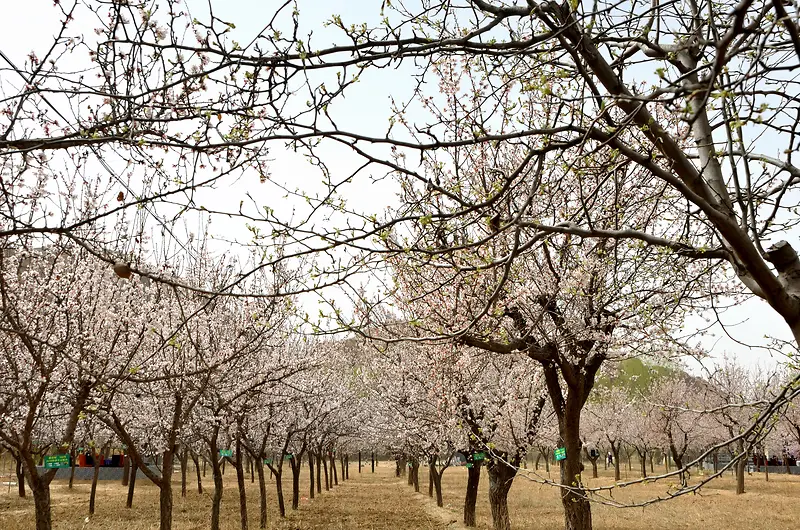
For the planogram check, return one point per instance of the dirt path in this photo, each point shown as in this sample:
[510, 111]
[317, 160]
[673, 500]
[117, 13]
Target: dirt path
[372, 501]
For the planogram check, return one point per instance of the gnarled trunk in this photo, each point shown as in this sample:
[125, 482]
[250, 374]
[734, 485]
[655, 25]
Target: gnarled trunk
[501, 476]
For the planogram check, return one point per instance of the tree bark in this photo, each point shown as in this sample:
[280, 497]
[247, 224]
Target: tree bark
[126, 469]
[615, 454]
[431, 472]
[593, 461]
[311, 475]
[197, 472]
[296, 462]
[501, 476]
[132, 481]
[20, 472]
[95, 475]
[319, 472]
[278, 473]
[239, 465]
[643, 462]
[435, 480]
[165, 495]
[333, 470]
[740, 467]
[471, 497]
[41, 499]
[216, 497]
[184, 461]
[262, 490]
[325, 466]
[72, 455]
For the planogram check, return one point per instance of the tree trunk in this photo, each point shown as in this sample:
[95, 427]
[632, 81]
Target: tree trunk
[311, 475]
[216, 497]
[126, 470]
[643, 462]
[319, 472]
[577, 511]
[20, 471]
[431, 472]
[471, 497]
[501, 476]
[239, 465]
[593, 461]
[333, 470]
[373, 461]
[132, 481]
[197, 472]
[262, 490]
[165, 495]
[184, 461]
[740, 467]
[359, 461]
[415, 473]
[325, 466]
[95, 475]
[296, 462]
[278, 472]
[615, 454]
[41, 499]
[347, 467]
[437, 486]
[72, 455]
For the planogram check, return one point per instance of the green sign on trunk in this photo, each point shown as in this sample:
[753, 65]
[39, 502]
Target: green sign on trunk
[56, 461]
[478, 456]
[469, 465]
[226, 452]
[267, 461]
[560, 454]
[288, 457]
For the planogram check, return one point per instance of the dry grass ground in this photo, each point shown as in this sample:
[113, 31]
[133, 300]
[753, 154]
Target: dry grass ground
[381, 501]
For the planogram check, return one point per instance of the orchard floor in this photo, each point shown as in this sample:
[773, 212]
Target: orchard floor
[381, 501]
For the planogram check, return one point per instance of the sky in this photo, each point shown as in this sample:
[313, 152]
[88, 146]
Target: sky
[29, 26]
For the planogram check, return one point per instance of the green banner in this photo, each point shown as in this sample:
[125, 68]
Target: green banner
[560, 454]
[56, 461]
[226, 452]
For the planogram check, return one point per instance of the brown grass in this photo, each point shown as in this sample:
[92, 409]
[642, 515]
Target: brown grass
[381, 501]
